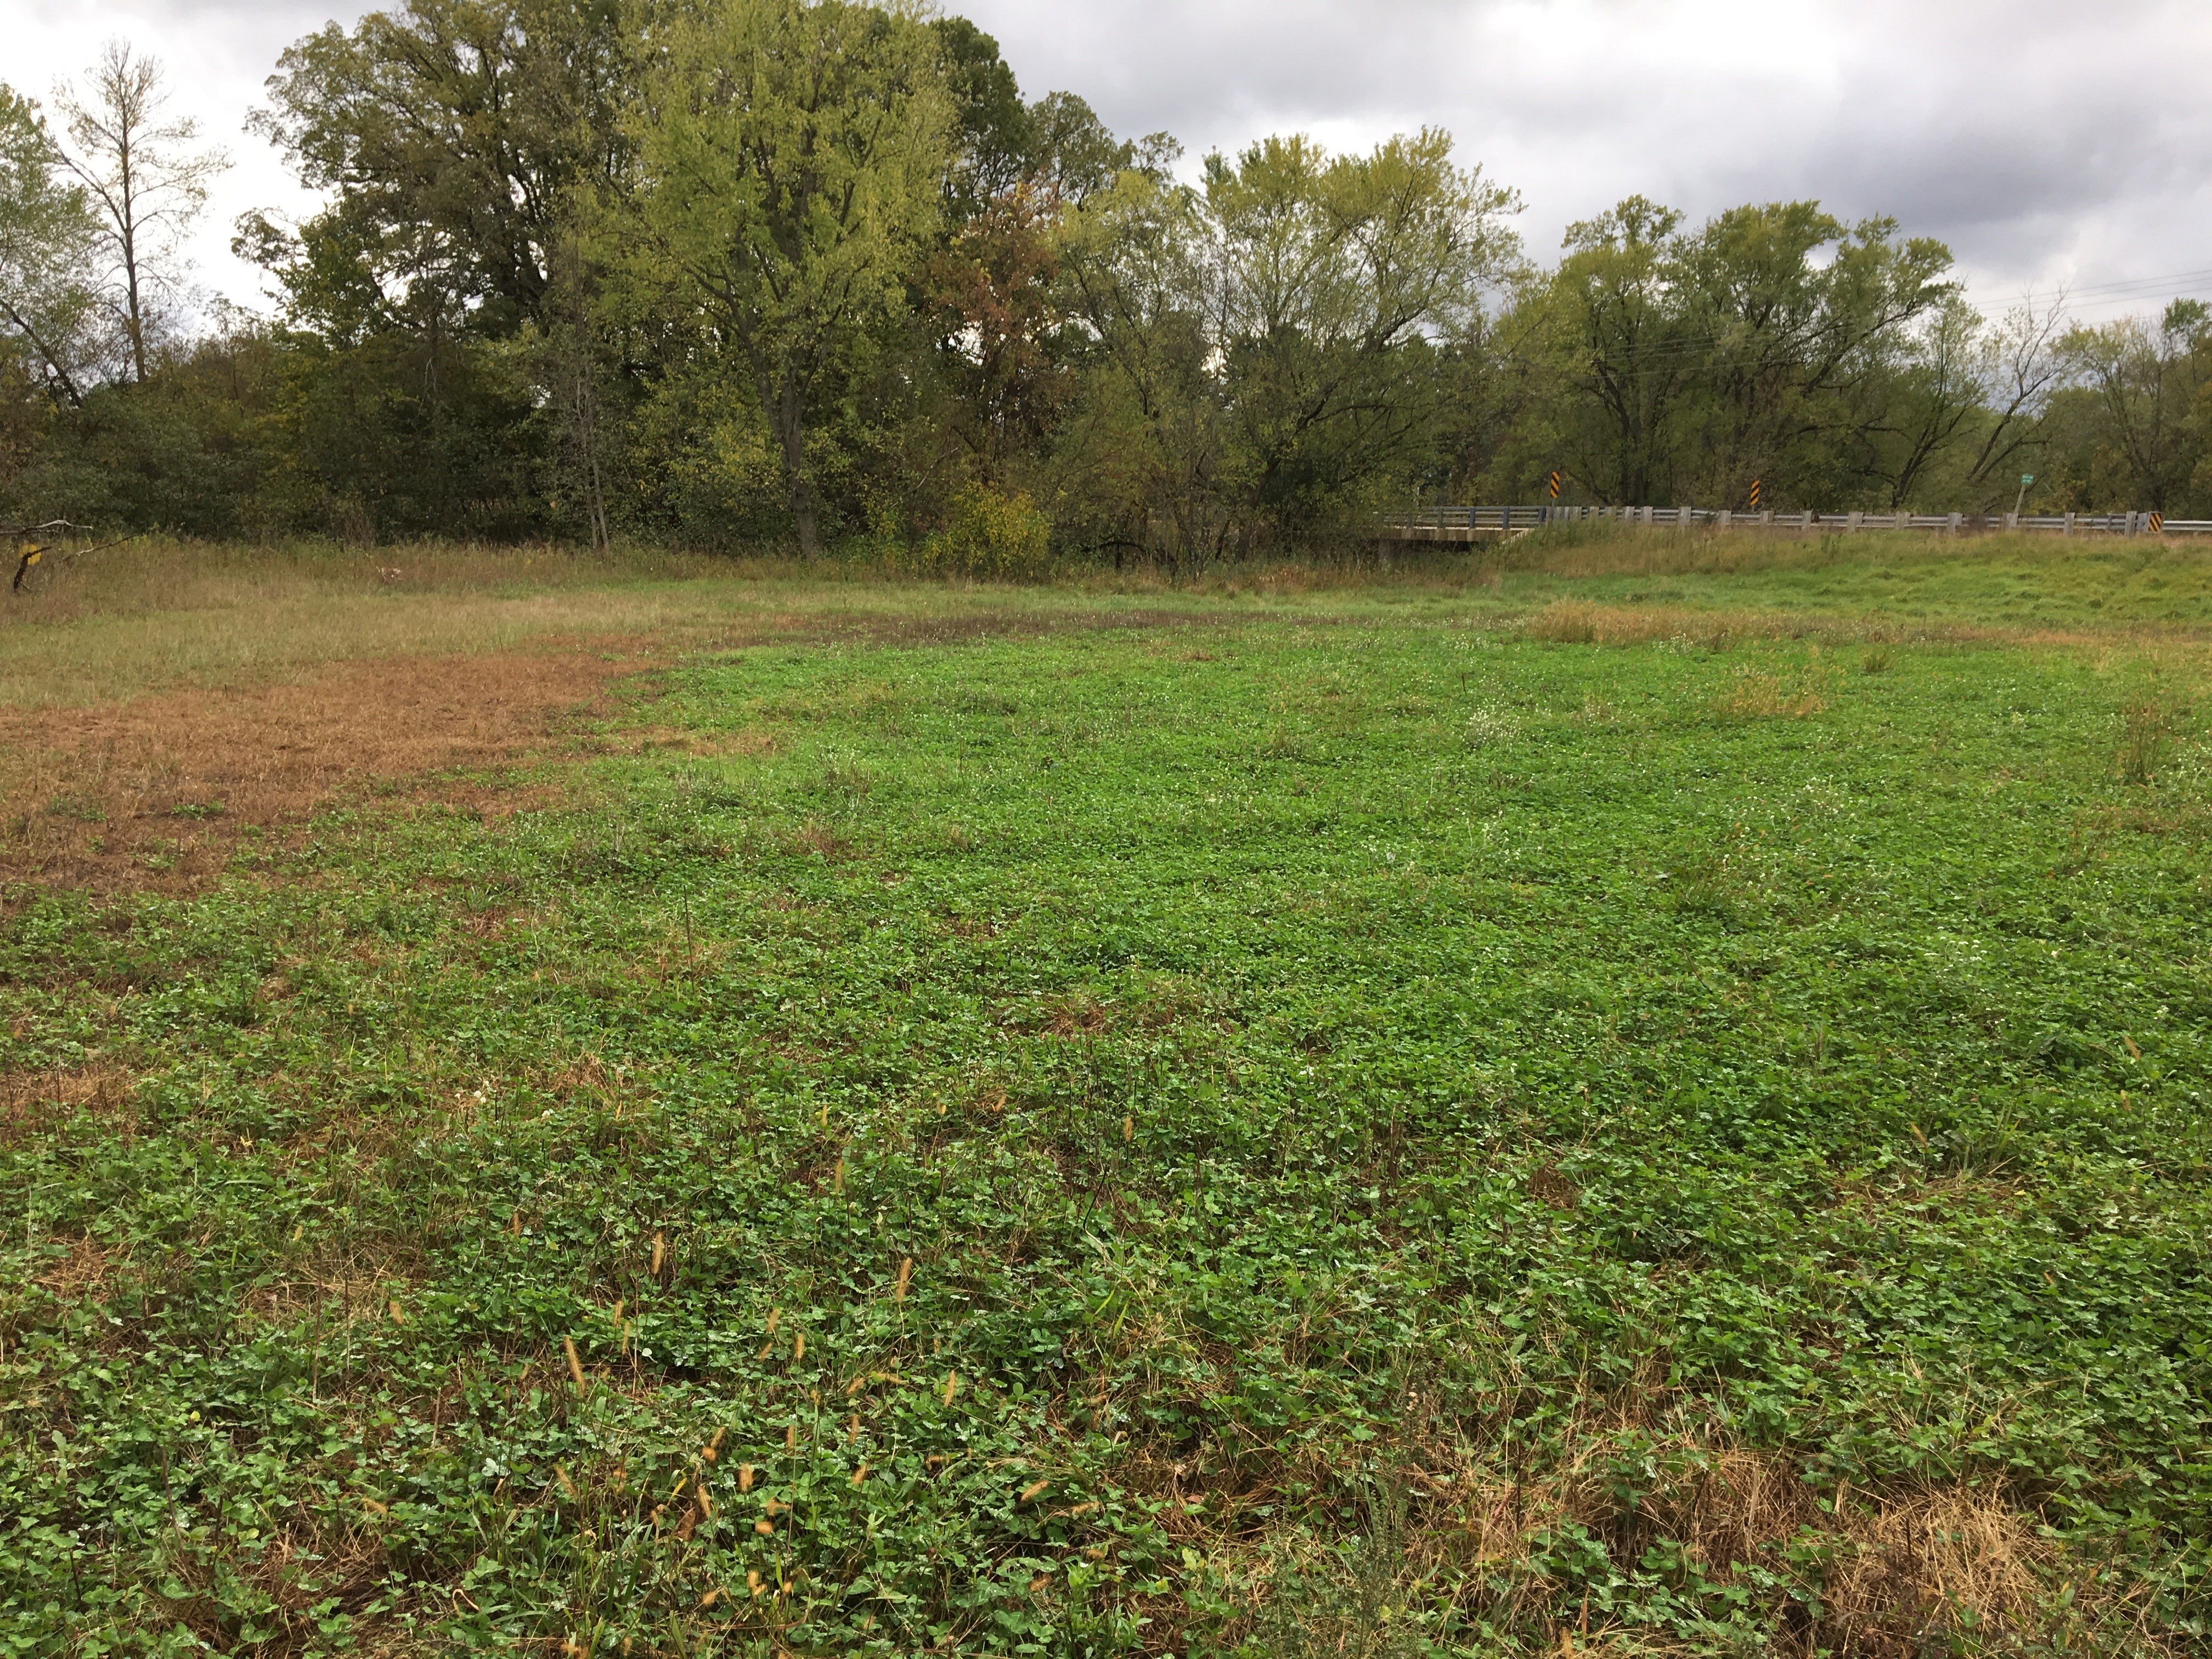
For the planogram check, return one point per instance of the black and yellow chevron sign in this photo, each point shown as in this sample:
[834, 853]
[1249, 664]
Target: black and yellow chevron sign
[1555, 486]
[1754, 493]
[2157, 524]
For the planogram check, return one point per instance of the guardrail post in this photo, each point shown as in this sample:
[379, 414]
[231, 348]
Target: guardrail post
[2067, 529]
[1952, 529]
[1721, 519]
[2012, 521]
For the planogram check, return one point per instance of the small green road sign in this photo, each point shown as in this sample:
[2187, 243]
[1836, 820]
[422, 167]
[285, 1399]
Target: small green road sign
[2028, 478]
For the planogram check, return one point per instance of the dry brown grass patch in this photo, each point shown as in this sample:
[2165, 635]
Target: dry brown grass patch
[159, 791]
[84, 1271]
[1580, 621]
[708, 746]
[1762, 693]
[1877, 1574]
[357, 1281]
[1938, 1562]
[824, 841]
[34, 1102]
[1550, 1185]
[1075, 1013]
[308, 1565]
[1156, 1005]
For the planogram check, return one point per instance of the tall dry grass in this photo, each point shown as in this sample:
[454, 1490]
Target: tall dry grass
[1892, 1572]
[1615, 550]
[153, 614]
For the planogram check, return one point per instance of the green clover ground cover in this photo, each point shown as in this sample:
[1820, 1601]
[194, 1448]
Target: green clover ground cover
[1132, 1142]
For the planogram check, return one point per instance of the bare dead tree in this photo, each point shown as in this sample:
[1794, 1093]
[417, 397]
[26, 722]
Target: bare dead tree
[144, 178]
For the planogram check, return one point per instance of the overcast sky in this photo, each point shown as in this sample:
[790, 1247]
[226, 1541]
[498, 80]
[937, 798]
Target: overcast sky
[2050, 142]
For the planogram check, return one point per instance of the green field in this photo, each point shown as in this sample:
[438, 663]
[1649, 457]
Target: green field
[1282, 1123]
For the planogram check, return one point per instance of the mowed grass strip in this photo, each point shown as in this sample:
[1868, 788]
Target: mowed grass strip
[1382, 1137]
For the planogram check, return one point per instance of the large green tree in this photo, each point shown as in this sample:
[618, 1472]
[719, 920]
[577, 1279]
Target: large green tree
[1337, 281]
[790, 160]
[452, 136]
[1689, 362]
[1151, 464]
[47, 235]
[1616, 349]
[2145, 397]
[1272, 346]
[1801, 319]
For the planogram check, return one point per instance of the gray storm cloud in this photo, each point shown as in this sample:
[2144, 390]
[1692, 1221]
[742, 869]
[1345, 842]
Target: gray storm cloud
[2043, 141]
[2048, 144]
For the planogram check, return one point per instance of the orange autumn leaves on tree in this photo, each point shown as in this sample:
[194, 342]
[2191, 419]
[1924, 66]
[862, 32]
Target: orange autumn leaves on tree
[991, 296]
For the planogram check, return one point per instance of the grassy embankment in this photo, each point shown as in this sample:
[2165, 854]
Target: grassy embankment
[1496, 1109]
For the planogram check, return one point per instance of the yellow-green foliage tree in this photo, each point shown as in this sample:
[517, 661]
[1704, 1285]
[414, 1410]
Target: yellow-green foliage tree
[1273, 344]
[47, 234]
[790, 167]
[1770, 343]
[2139, 411]
[1343, 279]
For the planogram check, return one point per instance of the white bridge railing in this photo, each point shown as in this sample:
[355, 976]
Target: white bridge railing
[1461, 524]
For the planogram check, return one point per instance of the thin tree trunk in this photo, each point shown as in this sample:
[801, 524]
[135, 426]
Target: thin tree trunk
[791, 430]
[134, 320]
[601, 541]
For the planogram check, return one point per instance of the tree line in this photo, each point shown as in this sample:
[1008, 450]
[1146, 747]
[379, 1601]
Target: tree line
[811, 273]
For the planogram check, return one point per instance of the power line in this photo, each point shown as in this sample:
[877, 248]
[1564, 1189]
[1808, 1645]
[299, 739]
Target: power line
[2121, 290]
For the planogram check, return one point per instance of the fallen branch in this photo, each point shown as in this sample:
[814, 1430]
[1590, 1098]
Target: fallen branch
[37, 550]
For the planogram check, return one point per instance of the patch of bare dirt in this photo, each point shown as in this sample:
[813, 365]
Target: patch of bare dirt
[157, 792]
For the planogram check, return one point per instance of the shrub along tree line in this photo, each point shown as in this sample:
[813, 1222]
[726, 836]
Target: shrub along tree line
[745, 272]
